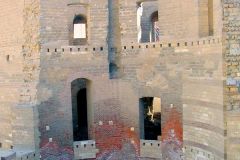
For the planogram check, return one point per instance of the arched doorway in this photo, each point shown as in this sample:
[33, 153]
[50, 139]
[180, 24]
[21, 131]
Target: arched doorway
[80, 109]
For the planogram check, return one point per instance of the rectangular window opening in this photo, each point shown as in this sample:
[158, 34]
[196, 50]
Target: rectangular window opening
[80, 31]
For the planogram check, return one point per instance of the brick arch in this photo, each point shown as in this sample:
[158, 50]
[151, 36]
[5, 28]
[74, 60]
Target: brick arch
[89, 76]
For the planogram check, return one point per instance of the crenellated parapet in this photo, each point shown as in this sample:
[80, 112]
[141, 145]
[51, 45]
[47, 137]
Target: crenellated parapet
[136, 48]
[150, 149]
[85, 149]
[75, 49]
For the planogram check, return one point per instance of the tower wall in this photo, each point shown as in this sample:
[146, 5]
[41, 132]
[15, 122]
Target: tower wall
[188, 19]
[231, 50]
[178, 19]
[57, 19]
[39, 63]
[11, 33]
[19, 54]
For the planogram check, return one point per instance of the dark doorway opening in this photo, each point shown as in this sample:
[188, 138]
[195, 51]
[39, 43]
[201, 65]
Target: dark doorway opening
[82, 129]
[150, 118]
[80, 110]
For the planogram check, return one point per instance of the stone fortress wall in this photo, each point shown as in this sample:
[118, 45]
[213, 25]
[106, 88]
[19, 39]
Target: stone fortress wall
[11, 66]
[231, 74]
[185, 68]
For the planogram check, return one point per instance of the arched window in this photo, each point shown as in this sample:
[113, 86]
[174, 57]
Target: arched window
[147, 20]
[155, 32]
[79, 30]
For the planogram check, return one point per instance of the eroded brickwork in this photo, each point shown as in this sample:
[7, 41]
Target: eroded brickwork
[231, 50]
[20, 56]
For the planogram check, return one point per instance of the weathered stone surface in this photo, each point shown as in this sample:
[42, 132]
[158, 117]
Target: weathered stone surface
[195, 75]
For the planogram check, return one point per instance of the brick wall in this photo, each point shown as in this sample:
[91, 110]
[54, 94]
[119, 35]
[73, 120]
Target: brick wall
[186, 73]
[128, 21]
[19, 51]
[57, 18]
[171, 70]
[11, 28]
[154, 71]
[182, 20]
[203, 106]
[231, 92]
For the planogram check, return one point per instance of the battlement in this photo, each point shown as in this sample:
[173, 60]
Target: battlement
[150, 149]
[25, 155]
[17, 154]
[76, 49]
[179, 46]
[133, 47]
[200, 153]
[165, 44]
[85, 149]
[7, 154]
